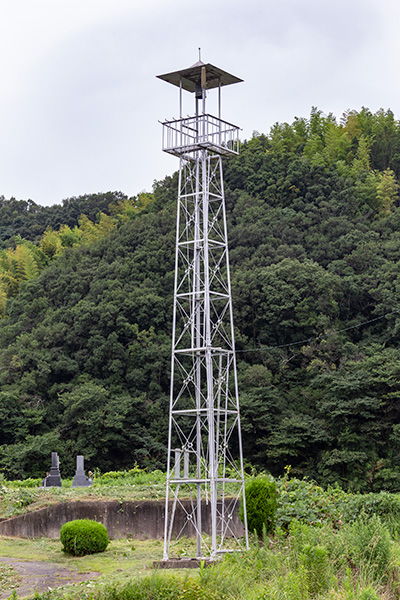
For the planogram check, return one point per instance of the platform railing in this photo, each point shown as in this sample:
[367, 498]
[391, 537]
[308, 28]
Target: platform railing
[184, 136]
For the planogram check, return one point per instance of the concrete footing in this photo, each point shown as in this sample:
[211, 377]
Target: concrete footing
[183, 563]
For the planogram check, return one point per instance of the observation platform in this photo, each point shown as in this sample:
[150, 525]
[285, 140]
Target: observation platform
[184, 137]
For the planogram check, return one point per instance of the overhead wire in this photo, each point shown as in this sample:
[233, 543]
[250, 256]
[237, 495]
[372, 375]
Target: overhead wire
[320, 335]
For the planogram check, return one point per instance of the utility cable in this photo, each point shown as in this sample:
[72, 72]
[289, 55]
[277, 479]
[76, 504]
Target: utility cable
[319, 336]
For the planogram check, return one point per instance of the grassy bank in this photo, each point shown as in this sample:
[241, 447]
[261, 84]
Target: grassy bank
[19, 497]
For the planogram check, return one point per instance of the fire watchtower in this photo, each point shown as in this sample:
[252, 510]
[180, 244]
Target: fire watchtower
[205, 460]
[185, 136]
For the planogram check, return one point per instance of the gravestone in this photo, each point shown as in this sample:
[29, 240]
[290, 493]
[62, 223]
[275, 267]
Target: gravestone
[54, 478]
[80, 479]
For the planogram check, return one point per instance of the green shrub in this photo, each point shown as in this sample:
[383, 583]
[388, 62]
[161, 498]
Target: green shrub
[261, 504]
[83, 536]
[25, 483]
[135, 476]
[383, 504]
[303, 500]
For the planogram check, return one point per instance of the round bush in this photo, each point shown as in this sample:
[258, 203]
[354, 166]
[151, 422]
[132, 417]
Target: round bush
[261, 504]
[83, 536]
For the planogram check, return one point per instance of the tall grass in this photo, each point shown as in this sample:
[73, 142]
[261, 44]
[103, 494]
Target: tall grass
[157, 586]
[312, 562]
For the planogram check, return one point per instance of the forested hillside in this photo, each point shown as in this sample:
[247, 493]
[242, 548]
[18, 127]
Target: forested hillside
[313, 218]
[28, 220]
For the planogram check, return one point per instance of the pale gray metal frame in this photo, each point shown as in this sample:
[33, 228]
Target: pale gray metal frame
[204, 420]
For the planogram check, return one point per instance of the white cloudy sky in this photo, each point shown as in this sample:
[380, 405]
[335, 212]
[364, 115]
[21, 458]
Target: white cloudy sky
[80, 104]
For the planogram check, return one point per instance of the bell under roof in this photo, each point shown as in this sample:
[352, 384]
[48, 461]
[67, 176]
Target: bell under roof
[191, 77]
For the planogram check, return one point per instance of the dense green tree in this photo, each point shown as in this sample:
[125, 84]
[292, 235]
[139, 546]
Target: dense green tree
[30, 458]
[28, 220]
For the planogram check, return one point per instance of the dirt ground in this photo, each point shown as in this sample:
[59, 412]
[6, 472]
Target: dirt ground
[38, 576]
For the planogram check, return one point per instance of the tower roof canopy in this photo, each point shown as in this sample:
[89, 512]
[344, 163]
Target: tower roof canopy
[192, 76]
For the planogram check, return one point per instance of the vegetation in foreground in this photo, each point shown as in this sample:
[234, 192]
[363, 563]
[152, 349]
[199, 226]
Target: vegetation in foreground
[9, 578]
[360, 561]
[320, 545]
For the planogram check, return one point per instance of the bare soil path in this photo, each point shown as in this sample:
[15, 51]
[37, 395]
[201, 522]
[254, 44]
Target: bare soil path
[39, 576]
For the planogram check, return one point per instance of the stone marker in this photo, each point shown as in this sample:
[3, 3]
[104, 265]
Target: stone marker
[80, 479]
[54, 478]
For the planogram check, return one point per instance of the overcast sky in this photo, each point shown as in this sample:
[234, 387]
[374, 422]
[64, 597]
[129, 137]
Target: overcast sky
[80, 103]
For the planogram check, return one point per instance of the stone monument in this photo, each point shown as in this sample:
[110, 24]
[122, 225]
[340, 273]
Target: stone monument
[54, 478]
[80, 479]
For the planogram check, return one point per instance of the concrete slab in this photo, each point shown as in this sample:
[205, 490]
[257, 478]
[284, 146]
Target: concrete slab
[183, 563]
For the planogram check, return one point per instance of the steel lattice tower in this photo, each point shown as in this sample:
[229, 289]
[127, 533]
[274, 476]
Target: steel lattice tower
[205, 460]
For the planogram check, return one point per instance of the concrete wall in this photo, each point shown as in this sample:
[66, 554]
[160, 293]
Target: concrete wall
[142, 519]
